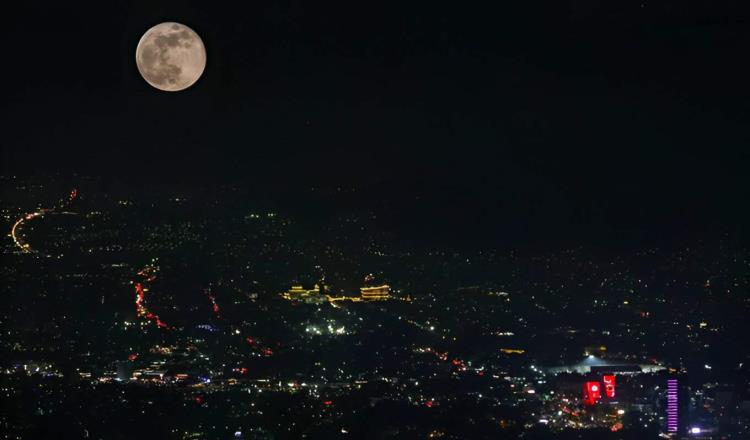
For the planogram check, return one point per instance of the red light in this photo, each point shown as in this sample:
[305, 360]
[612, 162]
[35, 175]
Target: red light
[459, 363]
[429, 404]
[591, 393]
[133, 357]
[609, 385]
[328, 402]
[212, 298]
[142, 310]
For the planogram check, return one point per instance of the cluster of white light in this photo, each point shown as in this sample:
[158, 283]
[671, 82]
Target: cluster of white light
[331, 330]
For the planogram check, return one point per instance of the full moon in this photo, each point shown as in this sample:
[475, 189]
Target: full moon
[171, 56]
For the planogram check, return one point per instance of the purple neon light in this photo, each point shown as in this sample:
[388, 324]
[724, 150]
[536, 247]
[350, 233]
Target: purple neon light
[672, 412]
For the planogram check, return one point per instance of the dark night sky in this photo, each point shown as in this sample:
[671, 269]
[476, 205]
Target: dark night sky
[585, 115]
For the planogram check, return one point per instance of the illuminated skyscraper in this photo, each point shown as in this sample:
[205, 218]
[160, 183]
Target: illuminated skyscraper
[672, 407]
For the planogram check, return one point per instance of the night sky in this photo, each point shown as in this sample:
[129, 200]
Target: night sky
[550, 121]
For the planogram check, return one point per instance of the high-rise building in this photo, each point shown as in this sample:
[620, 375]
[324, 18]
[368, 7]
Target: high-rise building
[672, 407]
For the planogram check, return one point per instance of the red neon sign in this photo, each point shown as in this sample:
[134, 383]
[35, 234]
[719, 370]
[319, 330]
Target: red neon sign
[609, 385]
[591, 393]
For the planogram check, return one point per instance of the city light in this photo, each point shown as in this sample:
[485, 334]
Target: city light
[314, 351]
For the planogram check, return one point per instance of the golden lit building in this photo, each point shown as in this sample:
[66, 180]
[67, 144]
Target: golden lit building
[375, 293]
[299, 293]
[319, 294]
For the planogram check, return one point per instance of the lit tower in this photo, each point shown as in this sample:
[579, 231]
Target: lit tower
[672, 407]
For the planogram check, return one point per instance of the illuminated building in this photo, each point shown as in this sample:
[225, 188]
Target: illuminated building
[319, 294]
[591, 393]
[609, 385]
[299, 293]
[376, 293]
[672, 404]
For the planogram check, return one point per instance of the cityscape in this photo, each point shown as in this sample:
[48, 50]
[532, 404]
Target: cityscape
[156, 314]
[297, 220]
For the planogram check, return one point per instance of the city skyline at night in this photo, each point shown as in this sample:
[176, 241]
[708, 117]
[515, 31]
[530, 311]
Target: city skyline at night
[293, 220]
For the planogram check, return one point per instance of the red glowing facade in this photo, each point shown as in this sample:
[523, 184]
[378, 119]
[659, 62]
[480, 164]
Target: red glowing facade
[591, 393]
[609, 386]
